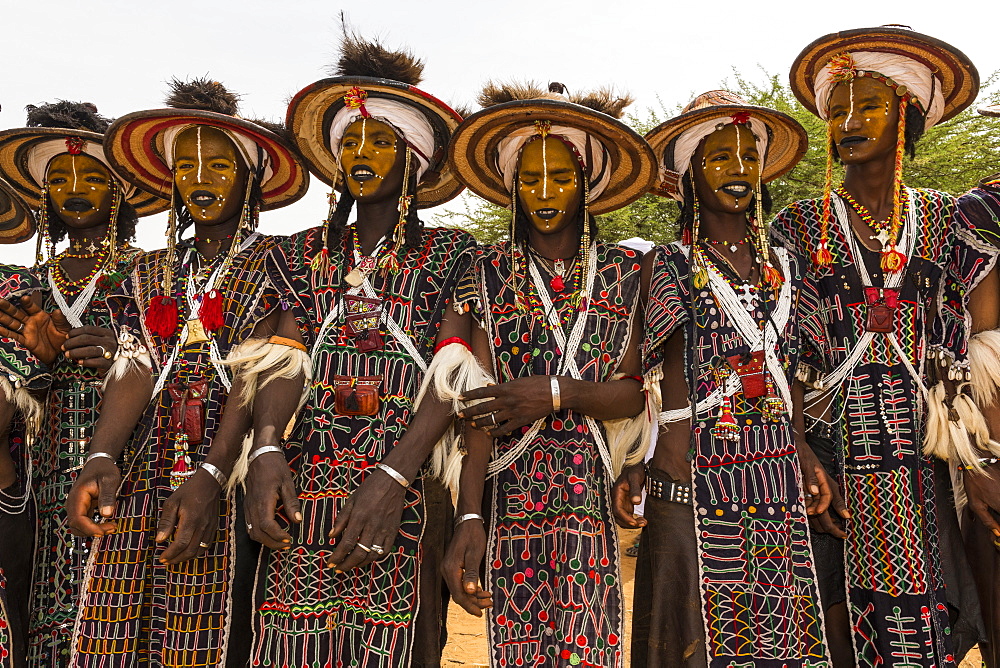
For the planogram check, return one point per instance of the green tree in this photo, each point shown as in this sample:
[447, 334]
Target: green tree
[951, 156]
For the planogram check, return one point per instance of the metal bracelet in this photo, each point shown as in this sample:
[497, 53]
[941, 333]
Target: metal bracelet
[264, 449]
[468, 516]
[394, 474]
[556, 395]
[100, 455]
[216, 473]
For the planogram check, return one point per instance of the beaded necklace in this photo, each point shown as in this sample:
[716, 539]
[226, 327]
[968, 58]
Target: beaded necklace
[67, 285]
[887, 230]
[532, 299]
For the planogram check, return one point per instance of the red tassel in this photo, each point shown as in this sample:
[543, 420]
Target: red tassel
[773, 276]
[822, 257]
[210, 312]
[161, 316]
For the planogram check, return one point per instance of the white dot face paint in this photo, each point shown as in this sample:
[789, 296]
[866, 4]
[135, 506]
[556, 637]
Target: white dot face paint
[198, 131]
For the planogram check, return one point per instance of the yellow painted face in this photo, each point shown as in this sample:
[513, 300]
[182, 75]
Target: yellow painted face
[864, 113]
[372, 157]
[549, 184]
[727, 166]
[80, 190]
[210, 174]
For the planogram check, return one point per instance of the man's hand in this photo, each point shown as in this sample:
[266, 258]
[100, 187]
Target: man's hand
[627, 494]
[191, 517]
[983, 490]
[509, 406]
[97, 485]
[40, 332]
[371, 517]
[460, 568]
[269, 484]
[817, 487]
[91, 346]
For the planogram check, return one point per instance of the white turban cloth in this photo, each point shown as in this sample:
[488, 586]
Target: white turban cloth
[590, 150]
[244, 144]
[404, 118]
[41, 154]
[687, 143]
[917, 77]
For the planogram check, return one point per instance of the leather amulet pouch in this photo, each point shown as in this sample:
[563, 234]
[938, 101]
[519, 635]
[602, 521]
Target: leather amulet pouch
[356, 395]
[187, 409]
[750, 369]
[881, 318]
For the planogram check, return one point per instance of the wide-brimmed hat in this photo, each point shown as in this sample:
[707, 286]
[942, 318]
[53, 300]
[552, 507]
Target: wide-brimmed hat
[136, 143]
[628, 163]
[17, 222]
[370, 75]
[956, 79]
[992, 110]
[786, 139]
[61, 127]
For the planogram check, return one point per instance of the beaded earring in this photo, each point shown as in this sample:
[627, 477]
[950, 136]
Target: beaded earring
[698, 270]
[44, 240]
[320, 261]
[391, 259]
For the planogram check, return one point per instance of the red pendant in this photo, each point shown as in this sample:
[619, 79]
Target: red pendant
[557, 283]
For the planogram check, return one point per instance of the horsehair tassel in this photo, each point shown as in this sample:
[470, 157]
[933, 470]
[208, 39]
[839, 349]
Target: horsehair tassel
[161, 316]
[210, 312]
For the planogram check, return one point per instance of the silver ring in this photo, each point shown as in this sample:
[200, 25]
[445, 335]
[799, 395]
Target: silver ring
[20, 328]
[103, 351]
[493, 416]
[202, 544]
[363, 547]
[378, 549]
[249, 527]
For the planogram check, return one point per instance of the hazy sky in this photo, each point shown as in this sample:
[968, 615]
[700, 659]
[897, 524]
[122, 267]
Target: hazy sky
[119, 53]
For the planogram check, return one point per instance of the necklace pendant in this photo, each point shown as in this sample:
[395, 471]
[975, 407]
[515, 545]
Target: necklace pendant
[557, 283]
[354, 278]
[195, 332]
[733, 248]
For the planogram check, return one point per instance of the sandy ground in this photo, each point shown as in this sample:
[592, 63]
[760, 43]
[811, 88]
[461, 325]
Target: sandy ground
[467, 634]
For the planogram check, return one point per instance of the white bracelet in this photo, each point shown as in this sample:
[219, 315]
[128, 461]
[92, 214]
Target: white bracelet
[556, 395]
[394, 474]
[100, 455]
[216, 473]
[264, 449]
[468, 516]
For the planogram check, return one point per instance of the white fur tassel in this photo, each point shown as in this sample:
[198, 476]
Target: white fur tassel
[29, 407]
[453, 371]
[241, 467]
[955, 440]
[255, 357]
[984, 366]
[629, 438]
[123, 365]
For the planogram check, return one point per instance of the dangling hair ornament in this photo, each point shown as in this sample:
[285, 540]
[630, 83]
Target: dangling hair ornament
[321, 259]
[771, 275]
[112, 277]
[699, 273]
[161, 314]
[391, 259]
[842, 70]
[44, 242]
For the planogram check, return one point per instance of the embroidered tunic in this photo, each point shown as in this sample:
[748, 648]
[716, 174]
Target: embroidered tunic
[68, 423]
[895, 587]
[24, 372]
[136, 611]
[552, 560]
[759, 598]
[306, 614]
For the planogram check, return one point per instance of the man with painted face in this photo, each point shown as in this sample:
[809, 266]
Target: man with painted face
[729, 318]
[367, 300]
[58, 163]
[555, 326]
[23, 379]
[892, 264]
[163, 585]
